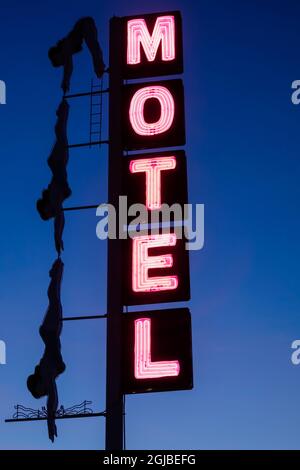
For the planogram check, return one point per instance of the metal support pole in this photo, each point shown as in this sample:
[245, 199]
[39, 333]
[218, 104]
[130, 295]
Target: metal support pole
[114, 397]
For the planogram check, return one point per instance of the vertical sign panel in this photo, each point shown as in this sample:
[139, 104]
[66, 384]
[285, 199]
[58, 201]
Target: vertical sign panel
[157, 269]
[156, 344]
[157, 351]
[153, 115]
[155, 179]
[153, 45]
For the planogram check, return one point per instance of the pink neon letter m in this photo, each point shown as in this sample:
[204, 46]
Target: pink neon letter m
[138, 34]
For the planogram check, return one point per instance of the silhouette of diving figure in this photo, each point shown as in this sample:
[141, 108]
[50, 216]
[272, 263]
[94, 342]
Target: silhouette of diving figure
[42, 382]
[50, 204]
[62, 53]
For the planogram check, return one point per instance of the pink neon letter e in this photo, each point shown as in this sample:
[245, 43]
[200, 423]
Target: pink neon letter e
[142, 262]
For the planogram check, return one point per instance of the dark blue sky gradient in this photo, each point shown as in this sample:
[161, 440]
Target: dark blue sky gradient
[243, 163]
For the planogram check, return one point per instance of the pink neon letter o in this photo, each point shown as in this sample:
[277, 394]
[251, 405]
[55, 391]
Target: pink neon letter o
[136, 110]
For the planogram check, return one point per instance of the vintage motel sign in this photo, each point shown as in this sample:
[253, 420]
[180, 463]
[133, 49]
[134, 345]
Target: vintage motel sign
[156, 344]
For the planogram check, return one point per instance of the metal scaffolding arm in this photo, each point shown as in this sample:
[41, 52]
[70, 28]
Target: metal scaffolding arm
[82, 410]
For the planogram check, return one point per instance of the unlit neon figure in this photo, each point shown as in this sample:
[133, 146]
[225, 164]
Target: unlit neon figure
[50, 204]
[61, 55]
[42, 382]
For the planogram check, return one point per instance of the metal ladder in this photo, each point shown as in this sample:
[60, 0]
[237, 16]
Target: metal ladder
[96, 108]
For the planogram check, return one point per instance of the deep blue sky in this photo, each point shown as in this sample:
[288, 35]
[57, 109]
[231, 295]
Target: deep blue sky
[243, 163]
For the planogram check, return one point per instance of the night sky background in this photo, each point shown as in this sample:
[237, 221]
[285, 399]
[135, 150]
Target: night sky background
[243, 164]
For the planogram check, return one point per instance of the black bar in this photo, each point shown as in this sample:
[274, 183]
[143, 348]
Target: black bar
[90, 317]
[244, 459]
